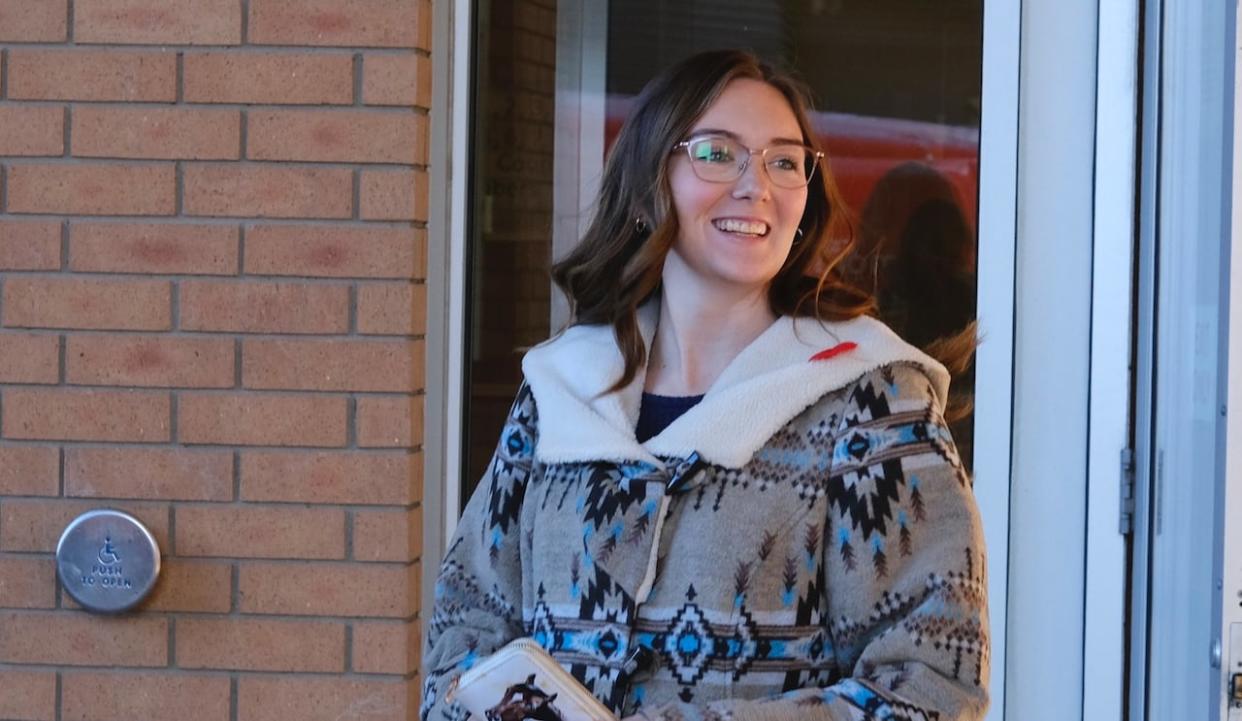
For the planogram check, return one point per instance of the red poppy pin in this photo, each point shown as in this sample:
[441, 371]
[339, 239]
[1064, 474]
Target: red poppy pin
[834, 351]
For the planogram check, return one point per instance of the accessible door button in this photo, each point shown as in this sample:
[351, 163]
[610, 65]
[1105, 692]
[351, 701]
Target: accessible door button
[107, 561]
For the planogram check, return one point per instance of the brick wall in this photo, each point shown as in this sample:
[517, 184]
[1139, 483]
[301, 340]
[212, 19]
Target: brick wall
[212, 247]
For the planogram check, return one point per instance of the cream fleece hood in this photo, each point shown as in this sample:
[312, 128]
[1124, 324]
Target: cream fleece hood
[789, 367]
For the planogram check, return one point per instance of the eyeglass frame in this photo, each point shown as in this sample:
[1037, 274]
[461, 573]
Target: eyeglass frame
[816, 156]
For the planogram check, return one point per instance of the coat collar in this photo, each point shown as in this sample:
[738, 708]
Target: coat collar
[770, 382]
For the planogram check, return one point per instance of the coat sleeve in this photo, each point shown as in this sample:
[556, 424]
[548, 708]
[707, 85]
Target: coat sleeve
[478, 605]
[904, 570]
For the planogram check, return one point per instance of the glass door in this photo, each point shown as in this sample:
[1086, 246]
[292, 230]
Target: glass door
[916, 103]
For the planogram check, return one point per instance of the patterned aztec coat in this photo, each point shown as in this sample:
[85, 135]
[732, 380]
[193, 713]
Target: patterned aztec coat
[802, 544]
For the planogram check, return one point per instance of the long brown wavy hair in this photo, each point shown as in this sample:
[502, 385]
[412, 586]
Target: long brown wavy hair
[618, 264]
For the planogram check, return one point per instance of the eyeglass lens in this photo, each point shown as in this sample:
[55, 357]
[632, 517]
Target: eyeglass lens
[721, 160]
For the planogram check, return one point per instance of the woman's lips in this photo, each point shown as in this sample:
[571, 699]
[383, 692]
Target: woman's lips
[742, 226]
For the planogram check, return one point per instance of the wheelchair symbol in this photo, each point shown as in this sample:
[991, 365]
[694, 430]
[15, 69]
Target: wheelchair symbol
[107, 554]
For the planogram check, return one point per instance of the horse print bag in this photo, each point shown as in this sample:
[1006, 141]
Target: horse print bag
[521, 681]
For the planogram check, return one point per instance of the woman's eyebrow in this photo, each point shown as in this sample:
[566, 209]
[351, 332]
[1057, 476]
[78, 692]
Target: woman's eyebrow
[714, 131]
[734, 136]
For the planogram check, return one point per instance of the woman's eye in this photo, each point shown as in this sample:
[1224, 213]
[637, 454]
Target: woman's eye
[785, 163]
[713, 153]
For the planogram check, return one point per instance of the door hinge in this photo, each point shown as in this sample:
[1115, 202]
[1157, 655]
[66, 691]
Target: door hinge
[1126, 520]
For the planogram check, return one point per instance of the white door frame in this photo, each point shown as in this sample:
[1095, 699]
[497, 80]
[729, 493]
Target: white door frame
[994, 364]
[1071, 362]
[1229, 562]
[1112, 326]
[446, 364]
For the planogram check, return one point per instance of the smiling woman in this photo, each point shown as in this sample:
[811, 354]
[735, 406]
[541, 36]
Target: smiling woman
[665, 230]
[736, 222]
[723, 491]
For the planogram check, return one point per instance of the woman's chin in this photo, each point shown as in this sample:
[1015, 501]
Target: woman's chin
[742, 279]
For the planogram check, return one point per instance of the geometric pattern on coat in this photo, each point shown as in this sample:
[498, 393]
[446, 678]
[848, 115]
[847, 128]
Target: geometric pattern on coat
[838, 574]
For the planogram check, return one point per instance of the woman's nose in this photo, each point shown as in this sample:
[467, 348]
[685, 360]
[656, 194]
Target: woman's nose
[753, 182]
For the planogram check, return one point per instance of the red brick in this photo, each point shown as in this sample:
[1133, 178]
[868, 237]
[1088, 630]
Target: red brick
[340, 365]
[326, 589]
[173, 133]
[29, 695]
[403, 79]
[349, 477]
[53, 74]
[263, 307]
[390, 647]
[346, 23]
[29, 245]
[422, 38]
[33, 21]
[192, 586]
[250, 419]
[261, 645]
[157, 22]
[35, 525]
[390, 422]
[392, 308]
[29, 358]
[149, 361]
[393, 195]
[77, 639]
[153, 248]
[265, 698]
[268, 191]
[149, 473]
[32, 130]
[86, 415]
[87, 303]
[287, 78]
[27, 581]
[188, 586]
[95, 696]
[92, 189]
[415, 644]
[416, 582]
[348, 136]
[388, 535]
[29, 471]
[335, 251]
[231, 531]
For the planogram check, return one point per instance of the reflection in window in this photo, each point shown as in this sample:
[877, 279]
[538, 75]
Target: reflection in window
[511, 202]
[897, 87]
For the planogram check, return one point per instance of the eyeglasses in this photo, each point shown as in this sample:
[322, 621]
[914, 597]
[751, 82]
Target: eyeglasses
[721, 159]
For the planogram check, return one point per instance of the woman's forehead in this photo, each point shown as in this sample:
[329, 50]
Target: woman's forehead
[751, 111]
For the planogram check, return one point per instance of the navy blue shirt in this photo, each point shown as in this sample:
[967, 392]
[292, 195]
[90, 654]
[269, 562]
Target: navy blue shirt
[657, 412]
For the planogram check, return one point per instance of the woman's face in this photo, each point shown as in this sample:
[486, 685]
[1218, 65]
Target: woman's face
[737, 233]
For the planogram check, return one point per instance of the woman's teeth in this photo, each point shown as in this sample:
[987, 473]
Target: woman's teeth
[745, 227]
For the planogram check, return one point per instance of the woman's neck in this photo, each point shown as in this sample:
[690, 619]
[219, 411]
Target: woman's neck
[700, 333]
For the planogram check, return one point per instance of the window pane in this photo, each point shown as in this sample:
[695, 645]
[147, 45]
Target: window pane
[897, 87]
[510, 237]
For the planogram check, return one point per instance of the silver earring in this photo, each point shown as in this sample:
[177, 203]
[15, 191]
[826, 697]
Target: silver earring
[800, 234]
[640, 226]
